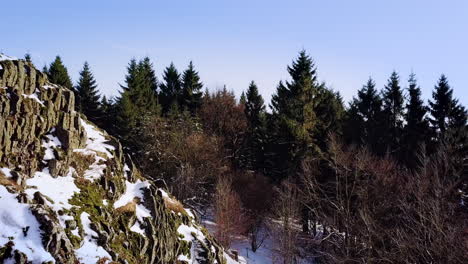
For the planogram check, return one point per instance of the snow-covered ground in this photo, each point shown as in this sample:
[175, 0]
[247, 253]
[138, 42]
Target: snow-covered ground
[265, 254]
[241, 244]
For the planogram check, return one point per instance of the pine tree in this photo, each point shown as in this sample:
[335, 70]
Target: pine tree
[87, 97]
[243, 99]
[27, 57]
[145, 96]
[416, 130]
[255, 112]
[58, 73]
[109, 113]
[449, 121]
[294, 116]
[254, 105]
[137, 101]
[369, 108]
[392, 97]
[191, 98]
[170, 89]
[329, 109]
[441, 106]
[353, 128]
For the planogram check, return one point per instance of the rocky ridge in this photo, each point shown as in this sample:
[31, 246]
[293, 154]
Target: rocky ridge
[68, 193]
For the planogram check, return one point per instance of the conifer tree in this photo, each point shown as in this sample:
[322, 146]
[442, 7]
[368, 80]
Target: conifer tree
[449, 121]
[145, 94]
[369, 108]
[353, 128]
[58, 73]
[27, 57]
[109, 113]
[416, 130]
[254, 105]
[243, 99]
[392, 97]
[170, 89]
[294, 116]
[255, 112]
[138, 99]
[441, 105]
[87, 97]
[191, 98]
[329, 109]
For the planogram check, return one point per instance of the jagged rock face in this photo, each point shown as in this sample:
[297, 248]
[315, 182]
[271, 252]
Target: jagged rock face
[70, 195]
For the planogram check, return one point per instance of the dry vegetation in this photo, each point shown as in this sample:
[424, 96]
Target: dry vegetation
[373, 211]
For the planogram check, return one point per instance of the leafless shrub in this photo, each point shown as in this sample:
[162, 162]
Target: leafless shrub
[373, 211]
[286, 210]
[229, 215]
[179, 152]
[256, 194]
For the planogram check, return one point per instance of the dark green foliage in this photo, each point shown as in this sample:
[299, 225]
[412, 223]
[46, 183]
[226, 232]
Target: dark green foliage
[364, 118]
[109, 114]
[330, 112]
[441, 105]
[137, 101]
[254, 109]
[416, 131]
[254, 106]
[87, 96]
[392, 97]
[242, 99]
[171, 90]
[27, 57]
[191, 98]
[449, 121]
[294, 117]
[58, 73]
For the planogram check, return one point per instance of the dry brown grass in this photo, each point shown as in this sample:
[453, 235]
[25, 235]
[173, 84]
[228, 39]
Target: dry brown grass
[130, 207]
[8, 182]
[81, 162]
[174, 205]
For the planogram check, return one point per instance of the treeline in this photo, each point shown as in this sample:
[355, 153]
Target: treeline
[333, 161]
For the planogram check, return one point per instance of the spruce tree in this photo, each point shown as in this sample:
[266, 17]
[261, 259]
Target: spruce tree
[87, 96]
[137, 101]
[392, 97]
[416, 131]
[170, 89]
[441, 105]
[27, 57]
[255, 139]
[243, 99]
[294, 116]
[58, 73]
[109, 113]
[369, 107]
[191, 98]
[254, 105]
[145, 94]
[329, 109]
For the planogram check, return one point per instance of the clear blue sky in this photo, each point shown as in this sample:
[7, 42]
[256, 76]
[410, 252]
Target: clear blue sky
[234, 42]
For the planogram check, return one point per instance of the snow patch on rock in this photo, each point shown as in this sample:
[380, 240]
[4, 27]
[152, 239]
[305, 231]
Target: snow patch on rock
[134, 190]
[90, 252]
[19, 225]
[60, 190]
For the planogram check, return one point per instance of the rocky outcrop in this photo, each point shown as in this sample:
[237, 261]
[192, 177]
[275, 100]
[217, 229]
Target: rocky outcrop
[70, 195]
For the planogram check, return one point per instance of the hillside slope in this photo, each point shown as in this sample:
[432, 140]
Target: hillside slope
[68, 194]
